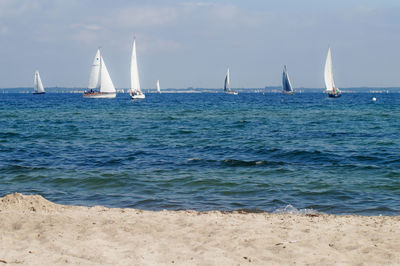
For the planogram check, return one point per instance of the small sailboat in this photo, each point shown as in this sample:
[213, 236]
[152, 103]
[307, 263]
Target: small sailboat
[227, 85]
[158, 86]
[37, 84]
[135, 91]
[100, 83]
[331, 89]
[286, 84]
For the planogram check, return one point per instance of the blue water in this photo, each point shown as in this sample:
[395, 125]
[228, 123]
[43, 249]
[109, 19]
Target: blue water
[205, 151]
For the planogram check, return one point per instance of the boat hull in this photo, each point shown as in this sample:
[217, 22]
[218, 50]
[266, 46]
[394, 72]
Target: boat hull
[36, 93]
[232, 92]
[99, 95]
[138, 96]
[287, 92]
[334, 95]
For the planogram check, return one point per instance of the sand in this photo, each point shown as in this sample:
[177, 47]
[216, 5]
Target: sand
[34, 231]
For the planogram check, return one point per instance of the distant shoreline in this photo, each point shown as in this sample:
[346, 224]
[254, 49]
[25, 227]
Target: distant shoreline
[212, 90]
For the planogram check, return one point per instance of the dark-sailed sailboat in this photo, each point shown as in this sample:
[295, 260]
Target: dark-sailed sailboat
[286, 84]
[227, 84]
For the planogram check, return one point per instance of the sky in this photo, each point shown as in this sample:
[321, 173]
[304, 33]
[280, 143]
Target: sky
[192, 43]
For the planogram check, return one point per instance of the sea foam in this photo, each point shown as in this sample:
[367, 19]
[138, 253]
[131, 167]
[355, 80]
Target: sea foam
[289, 209]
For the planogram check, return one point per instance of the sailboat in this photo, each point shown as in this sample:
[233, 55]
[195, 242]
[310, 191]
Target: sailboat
[227, 84]
[286, 84]
[331, 89]
[37, 84]
[135, 91]
[158, 86]
[100, 83]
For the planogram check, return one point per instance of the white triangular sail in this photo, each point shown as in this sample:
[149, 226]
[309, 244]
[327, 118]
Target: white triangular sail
[135, 84]
[37, 83]
[94, 79]
[158, 86]
[227, 84]
[106, 84]
[328, 73]
[286, 84]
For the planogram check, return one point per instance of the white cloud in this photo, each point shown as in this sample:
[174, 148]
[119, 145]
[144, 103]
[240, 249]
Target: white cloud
[88, 27]
[145, 16]
[85, 36]
[197, 4]
[136, 16]
[11, 8]
[92, 27]
[153, 45]
[224, 12]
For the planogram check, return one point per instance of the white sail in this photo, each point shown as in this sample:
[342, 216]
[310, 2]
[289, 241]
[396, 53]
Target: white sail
[135, 84]
[94, 79]
[37, 83]
[106, 84]
[158, 86]
[227, 85]
[328, 73]
[286, 84]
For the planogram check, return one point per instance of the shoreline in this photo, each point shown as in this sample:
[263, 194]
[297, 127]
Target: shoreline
[36, 231]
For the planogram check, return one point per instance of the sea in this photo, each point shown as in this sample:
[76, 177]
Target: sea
[252, 152]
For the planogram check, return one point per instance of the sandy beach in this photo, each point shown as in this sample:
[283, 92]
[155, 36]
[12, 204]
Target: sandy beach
[34, 231]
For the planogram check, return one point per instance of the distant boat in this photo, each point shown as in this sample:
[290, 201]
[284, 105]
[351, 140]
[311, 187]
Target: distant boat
[135, 91]
[158, 86]
[100, 83]
[331, 89]
[227, 84]
[37, 84]
[286, 84]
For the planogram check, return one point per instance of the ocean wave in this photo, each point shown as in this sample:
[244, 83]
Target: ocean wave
[11, 168]
[234, 162]
[393, 174]
[210, 183]
[289, 209]
[238, 163]
[308, 157]
[378, 210]
[9, 135]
